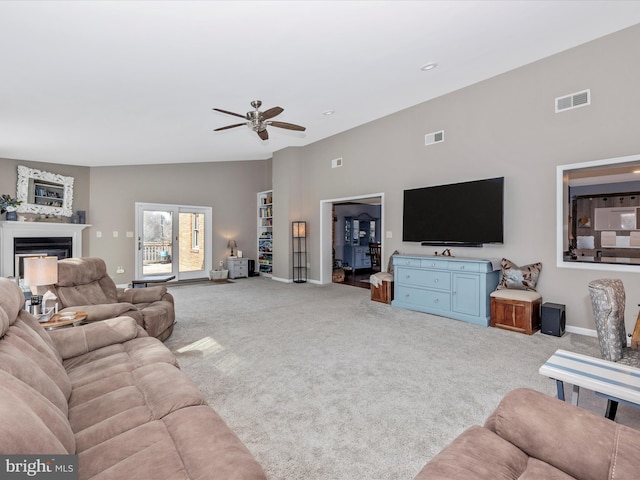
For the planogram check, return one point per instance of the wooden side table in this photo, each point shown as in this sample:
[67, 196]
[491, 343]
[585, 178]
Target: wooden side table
[516, 310]
[59, 321]
[635, 338]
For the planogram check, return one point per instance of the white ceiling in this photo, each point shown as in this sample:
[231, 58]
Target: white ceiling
[113, 83]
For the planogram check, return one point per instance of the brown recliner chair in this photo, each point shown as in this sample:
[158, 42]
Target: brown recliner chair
[84, 285]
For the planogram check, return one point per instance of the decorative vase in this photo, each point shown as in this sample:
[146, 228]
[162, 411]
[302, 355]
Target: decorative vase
[12, 215]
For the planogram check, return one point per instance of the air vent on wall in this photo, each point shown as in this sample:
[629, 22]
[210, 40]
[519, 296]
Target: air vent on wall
[336, 162]
[434, 137]
[575, 100]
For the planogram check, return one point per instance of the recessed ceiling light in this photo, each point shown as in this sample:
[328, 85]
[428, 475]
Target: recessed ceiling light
[329, 112]
[428, 66]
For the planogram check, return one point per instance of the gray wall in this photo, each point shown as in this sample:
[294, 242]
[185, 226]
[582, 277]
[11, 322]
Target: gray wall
[505, 126]
[228, 187]
[81, 175]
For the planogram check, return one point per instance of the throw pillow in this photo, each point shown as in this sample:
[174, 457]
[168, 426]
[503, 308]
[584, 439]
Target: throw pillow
[519, 278]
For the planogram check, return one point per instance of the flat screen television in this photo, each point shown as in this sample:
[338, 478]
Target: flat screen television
[459, 214]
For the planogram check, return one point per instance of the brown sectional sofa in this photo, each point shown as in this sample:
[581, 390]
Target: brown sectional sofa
[84, 285]
[111, 394]
[534, 436]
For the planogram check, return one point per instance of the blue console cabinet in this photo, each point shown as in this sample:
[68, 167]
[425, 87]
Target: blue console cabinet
[453, 287]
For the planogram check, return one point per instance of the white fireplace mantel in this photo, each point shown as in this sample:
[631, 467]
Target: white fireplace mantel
[11, 230]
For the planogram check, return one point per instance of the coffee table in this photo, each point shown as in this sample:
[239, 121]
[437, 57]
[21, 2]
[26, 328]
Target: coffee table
[616, 382]
[57, 321]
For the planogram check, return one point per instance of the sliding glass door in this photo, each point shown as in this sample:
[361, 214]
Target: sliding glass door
[173, 240]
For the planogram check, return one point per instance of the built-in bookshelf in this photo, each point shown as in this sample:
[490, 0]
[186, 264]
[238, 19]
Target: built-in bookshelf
[265, 232]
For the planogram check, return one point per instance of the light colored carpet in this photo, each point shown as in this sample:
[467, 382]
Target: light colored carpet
[321, 383]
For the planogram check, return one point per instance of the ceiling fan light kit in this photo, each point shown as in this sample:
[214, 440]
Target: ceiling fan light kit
[259, 121]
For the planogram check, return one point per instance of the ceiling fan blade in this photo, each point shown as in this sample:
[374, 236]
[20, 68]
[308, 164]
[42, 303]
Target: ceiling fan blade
[229, 126]
[288, 126]
[263, 134]
[272, 112]
[230, 113]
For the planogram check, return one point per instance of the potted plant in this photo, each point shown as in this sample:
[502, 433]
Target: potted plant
[10, 205]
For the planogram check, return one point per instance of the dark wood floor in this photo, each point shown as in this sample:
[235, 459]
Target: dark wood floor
[360, 278]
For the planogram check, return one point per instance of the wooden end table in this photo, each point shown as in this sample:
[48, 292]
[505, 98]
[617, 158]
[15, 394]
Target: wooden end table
[58, 321]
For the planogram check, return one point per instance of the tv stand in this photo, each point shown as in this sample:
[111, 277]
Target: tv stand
[451, 287]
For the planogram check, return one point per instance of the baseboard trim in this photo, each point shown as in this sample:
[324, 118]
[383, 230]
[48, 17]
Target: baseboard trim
[582, 331]
[283, 280]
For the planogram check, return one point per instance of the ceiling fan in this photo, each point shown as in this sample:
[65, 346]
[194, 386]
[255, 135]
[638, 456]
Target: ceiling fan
[259, 121]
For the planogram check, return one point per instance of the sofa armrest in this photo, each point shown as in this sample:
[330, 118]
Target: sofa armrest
[102, 311]
[570, 438]
[142, 295]
[71, 342]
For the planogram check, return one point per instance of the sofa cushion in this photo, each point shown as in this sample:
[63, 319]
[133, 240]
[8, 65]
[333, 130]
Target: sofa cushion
[157, 317]
[595, 446]
[190, 443]
[84, 281]
[27, 357]
[477, 454]
[11, 302]
[99, 410]
[115, 359]
[13, 390]
[73, 342]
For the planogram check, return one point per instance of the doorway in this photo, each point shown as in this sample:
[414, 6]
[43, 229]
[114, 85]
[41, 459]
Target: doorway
[173, 240]
[368, 209]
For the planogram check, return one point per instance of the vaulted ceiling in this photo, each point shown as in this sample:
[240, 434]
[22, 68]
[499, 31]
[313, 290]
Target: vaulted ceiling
[134, 82]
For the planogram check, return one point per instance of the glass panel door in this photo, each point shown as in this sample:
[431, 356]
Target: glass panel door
[191, 242]
[157, 242]
[173, 240]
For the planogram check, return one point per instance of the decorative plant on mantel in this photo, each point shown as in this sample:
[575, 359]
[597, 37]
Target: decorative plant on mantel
[8, 204]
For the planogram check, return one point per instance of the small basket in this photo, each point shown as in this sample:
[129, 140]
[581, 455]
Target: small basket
[218, 274]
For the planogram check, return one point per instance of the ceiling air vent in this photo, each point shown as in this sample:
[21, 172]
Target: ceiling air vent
[434, 137]
[575, 100]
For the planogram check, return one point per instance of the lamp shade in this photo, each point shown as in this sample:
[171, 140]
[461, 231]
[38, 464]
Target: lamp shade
[299, 229]
[39, 271]
[232, 244]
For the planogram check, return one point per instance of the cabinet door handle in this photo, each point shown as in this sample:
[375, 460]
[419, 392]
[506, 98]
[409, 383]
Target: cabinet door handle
[436, 300]
[462, 267]
[436, 280]
[407, 276]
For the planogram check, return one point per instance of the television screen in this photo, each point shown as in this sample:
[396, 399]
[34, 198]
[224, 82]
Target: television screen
[467, 213]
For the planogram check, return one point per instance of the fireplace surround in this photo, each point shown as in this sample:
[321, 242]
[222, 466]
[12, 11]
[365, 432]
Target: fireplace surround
[47, 236]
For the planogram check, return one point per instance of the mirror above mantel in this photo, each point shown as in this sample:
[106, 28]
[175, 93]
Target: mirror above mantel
[44, 193]
[598, 215]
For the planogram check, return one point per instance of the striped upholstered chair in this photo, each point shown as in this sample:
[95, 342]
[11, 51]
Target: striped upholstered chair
[608, 303]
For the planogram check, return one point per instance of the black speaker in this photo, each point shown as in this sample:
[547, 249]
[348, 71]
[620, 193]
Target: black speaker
[553, 319]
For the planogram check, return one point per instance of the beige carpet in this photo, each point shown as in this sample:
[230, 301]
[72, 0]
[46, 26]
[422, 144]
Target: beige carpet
[321, 383]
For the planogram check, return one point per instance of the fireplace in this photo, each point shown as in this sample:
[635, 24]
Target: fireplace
[61, 247]
[29, 238]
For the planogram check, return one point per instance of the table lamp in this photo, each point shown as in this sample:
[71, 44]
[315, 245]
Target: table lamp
[232, 244]
[38, 272]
